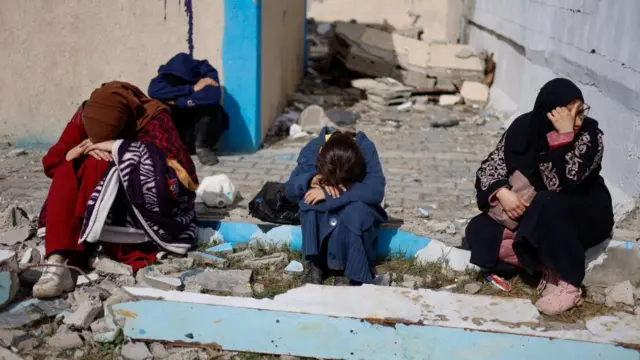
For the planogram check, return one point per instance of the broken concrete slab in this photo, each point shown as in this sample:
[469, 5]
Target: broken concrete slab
[413, 62]
[14, 236]
[342, 117]
[294, 267]
[84, 315]
[243, 255]
[6, 354]
[621, 293]
[269, 260]
[163, 282]
[32, 310]
[618, 265]
[136, 351]
[313, 119]
[175, 265]
[158, 351]
[235, 282]
[474, 93]
[108, 266]
[9, 338]
[9, 281]
[87, 279]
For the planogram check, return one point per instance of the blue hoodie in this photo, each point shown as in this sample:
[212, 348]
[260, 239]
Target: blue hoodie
[176, 78]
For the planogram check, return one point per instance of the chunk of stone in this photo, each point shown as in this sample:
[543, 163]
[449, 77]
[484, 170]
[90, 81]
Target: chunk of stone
[84, 315]
[165, 283]
[620, 293]
[65, 341]
[474, 93]
[89, 278]
[17, 152]
[269, 260]
[98, 326]
[136, 351]
[294, 267]
[117, 297]
[242, 255]
[7, 354]
[176, 265]
[636, 294]
[343, 117]
[14, 236]
[382, 280]
[189, 354]
[235, 282]
[9, 338]
[410, 281]
[30, 256]
[313, 119]
[472, 288]
[158, 351]
[449, 100]
[108, 266]
[30, 311]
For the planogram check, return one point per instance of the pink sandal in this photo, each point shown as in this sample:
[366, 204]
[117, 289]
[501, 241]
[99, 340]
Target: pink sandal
[548, 283]
[564, 297]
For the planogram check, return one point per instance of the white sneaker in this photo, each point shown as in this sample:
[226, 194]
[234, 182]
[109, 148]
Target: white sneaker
[55, 280]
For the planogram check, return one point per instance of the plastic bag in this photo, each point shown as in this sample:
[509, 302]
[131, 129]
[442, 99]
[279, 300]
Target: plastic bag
[272, 205]
[216, 191]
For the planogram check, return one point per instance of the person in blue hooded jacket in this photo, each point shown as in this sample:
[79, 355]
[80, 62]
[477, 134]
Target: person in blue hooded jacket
[192, 89]
[339, 185]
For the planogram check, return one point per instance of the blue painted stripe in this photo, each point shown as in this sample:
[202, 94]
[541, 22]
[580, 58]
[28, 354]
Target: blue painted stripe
[320, 336]
[390, 241]
[241, 63]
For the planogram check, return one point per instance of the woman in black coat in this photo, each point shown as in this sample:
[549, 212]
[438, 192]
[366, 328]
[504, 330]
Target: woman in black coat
[559, 150]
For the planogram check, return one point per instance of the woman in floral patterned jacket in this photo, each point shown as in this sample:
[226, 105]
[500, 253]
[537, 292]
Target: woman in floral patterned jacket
[559, 150]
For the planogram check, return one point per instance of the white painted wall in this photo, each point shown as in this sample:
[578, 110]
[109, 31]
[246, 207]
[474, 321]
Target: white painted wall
[594, 43]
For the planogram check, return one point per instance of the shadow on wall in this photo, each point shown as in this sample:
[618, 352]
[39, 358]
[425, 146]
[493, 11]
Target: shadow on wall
[238, 138]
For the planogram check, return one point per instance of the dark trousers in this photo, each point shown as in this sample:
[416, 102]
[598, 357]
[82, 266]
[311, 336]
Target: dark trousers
[200, 127]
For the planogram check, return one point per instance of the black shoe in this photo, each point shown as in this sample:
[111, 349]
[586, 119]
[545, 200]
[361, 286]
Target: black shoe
[344, 281]
[314, 275]
[207, 157]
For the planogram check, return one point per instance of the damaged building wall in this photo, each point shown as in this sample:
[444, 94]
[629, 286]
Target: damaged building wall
[54, 53]
[283, 30]
[591, 42]
[440, 19]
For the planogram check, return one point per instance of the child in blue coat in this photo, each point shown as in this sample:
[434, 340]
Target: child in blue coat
[339, 186]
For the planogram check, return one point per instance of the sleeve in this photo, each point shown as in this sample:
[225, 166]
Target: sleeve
[491, 176]
[370, 191]
[162, 133]
[567, 165]
[209, 71]
[299, 180]
[161, 90]
[72, 135]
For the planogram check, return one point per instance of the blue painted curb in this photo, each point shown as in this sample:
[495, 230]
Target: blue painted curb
[390, 241]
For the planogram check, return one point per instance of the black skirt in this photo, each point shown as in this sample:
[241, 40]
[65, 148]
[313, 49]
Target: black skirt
[556, 231]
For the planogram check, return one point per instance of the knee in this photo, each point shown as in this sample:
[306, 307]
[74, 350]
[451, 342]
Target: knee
[357, 217]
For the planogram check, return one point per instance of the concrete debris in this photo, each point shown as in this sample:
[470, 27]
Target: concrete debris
[208, 236]
[98, 326]
[465, 53]
[206, 258]
[621, 293]
[9, 338]
[65, 341]
[294, 267]
[269, 260]
[383, 280]
[472, 288]
[451, 229]
[189, 354]
[408, 281]
[17, 152]
[224, 248]
[84, 315]
[235, 282]
[423, 212]
[82, 280]
[413, 62]
[6, 354]
[619, 265]
[636, 294]
[445, 123]
[30, 311]
[342, 117]
[136, 351]
[474, 93]
[597, 298]
[14, 236]
[296, 131]
[449, 100]
[30, 256]
[158, 351]
[108, 266]
[313, 119]
[405, 106]
[625, 234]
[383, 92]
[88, 294]
[162, 282]
[175, 265]
[117, 297]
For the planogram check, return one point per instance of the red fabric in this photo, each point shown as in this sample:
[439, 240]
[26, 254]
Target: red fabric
[74, 181]
[556, 139]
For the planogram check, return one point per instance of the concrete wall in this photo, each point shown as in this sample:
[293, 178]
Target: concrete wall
[54, 53]
[592, 42]
[440, 19]
[283, 38]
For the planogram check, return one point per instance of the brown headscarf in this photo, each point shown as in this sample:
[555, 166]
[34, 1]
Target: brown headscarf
[116, 108]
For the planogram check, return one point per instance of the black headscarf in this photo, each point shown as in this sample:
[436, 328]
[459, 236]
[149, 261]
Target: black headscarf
[526, 138]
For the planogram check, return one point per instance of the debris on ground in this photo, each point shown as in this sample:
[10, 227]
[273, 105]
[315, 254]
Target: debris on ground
[622, 293]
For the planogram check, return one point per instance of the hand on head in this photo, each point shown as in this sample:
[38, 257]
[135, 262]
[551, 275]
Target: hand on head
[567, 119]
